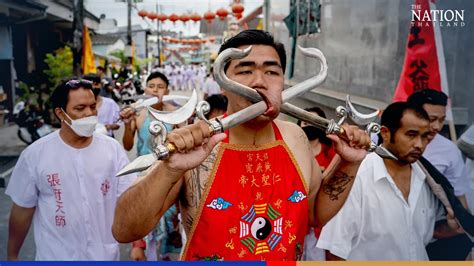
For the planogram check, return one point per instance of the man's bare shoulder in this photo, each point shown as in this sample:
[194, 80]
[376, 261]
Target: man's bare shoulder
[292, 133]
[298, 143]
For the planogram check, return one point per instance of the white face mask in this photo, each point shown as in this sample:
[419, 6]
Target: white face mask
[83, 127]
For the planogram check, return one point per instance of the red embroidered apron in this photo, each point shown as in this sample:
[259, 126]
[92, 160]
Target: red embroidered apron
[255, 206]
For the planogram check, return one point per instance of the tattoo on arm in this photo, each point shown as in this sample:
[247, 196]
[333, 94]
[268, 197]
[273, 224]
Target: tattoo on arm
[189, 221]
[336, 185]
[196, 183]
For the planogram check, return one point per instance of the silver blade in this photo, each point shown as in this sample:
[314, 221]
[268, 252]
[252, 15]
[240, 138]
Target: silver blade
[177, 116]
[243, 115]
[138, 97]
[172, 98]
[141, 163]
[153, 100]
[166, 98]
[147, 102]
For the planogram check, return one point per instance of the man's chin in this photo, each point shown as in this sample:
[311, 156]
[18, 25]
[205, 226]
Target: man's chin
[259, 121]
[411, 159]
[431, 136]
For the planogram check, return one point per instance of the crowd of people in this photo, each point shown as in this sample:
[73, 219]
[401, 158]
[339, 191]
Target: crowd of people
[266, 189]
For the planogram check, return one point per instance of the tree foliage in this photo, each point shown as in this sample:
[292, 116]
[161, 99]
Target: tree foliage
[59, 65]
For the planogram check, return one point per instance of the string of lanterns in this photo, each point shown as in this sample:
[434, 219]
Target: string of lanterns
[189, 41]
[237, 11]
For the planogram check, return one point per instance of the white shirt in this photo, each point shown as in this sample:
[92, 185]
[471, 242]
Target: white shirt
[75, 192]
[468, 136]
[469, 173]
[376, 223]
[447, 158]
[211, 87]
[108, 113]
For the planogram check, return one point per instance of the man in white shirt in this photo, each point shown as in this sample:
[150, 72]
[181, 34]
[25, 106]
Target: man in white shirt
[390, 213]
[446, 157]
[210, 86]
[466, 145]
[107, 109]
[65, 183]
[441, 152]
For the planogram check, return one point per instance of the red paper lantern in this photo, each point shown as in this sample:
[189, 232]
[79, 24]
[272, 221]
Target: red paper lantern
[237, 9]
[222, 13]
[209, 16]
[173, 17]
[212, 39]
[184, 18]
[152, 15]
[162, 17]
[142, 13]
[195, 17]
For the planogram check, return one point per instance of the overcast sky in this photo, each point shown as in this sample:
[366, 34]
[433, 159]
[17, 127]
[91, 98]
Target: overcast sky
[118, 10]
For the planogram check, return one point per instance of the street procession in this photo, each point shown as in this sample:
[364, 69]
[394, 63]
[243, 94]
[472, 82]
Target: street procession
[237, 130]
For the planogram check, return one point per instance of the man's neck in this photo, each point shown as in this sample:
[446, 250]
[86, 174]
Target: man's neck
[73, 140]
[251, 134]
[401, 175]
[396, 165]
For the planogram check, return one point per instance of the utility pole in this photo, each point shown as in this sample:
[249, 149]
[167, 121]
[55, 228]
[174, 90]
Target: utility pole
[158, 36]
[266, 15]
[128, 48]
[78, 23]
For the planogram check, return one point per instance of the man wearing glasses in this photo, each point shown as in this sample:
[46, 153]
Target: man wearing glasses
[65, 183]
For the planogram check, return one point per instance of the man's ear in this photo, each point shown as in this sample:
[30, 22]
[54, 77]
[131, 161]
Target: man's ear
[385, 133]
[59, 113]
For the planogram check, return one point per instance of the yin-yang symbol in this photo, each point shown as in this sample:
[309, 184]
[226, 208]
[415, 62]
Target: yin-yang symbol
[261, 228]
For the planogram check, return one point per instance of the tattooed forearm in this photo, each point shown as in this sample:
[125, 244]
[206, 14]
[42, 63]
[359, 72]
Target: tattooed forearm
[336, 185]
[189, 221]
[197, 180]
[194, 187]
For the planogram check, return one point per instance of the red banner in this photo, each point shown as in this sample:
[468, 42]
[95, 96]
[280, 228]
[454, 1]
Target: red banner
[420, 68]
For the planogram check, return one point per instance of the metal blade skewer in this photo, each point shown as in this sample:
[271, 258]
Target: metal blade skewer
[330, 126]
[220, 125]
[216, 126]
[166, 98]
[177, 116]
[144, 101]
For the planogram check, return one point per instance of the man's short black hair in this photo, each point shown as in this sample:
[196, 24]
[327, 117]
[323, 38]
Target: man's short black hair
[255, 37]
[101, 68]
[392, 116]
[92, 77]
[217, 101]
[428, 96]
[156, 74]
[60, 96]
